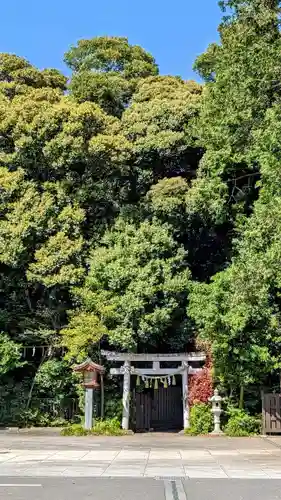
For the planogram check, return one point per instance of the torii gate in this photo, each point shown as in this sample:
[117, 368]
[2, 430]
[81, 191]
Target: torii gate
[184, 369]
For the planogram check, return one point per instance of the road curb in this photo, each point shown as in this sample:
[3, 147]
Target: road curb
[55, 431]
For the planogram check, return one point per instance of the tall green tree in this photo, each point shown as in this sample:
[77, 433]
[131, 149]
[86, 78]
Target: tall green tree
[243, 75]
[136, 289]
[107, 54]
[106, 70]
[18, 76]
[61, 182]
[159, 123]
[239, 311]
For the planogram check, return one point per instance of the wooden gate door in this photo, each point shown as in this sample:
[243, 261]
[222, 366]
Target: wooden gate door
[271, 410]
[159, 409]
[143, 410]
[167, 409]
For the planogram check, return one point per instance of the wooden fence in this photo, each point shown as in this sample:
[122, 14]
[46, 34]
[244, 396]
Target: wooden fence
[271, 413]
[15, 412]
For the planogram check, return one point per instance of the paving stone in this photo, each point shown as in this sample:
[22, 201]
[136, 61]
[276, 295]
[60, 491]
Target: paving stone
[164, 472]
[123, 472]
[199, 465]
[222, 453]
[164, 455]
[206, 457]
[164, 463]
[104, 455]
[272, 470]
[254, 452]
[246, 474]
[14, 471]
[209, 472]
[236, 464]
[7, 457]
[83, 471]
[131, 455]
[28, 458]
[68, 454]
[195, 453]
[36, 471]
[274, 475]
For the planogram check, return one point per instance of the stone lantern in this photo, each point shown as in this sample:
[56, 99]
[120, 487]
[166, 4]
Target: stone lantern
[90, 372]
[216, 411]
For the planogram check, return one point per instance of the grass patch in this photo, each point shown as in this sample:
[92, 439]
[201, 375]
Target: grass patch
[108, 427]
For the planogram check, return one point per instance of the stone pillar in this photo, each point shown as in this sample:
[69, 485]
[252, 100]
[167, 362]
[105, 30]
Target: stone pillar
[126, 369]
[185, 396]
[88, 409]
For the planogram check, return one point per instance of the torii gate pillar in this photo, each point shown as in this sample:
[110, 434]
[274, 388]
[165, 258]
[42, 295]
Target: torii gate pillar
[185, 396]
[126, 394]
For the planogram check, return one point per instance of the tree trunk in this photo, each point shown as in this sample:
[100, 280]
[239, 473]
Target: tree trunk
[241, 397]
[102, 398]
[33, 382]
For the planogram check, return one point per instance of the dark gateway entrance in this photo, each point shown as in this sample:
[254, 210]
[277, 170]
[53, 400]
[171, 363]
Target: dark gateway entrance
[159, 409]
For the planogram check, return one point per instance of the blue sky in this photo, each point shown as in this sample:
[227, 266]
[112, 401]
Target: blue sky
[174, 31]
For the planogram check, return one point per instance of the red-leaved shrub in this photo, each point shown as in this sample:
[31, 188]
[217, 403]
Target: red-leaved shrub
[201, 385]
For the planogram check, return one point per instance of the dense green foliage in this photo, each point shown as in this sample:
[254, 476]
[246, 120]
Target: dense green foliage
[241, 424]
[135, 291]
[201, 419]
[239, 310]
[140, 211]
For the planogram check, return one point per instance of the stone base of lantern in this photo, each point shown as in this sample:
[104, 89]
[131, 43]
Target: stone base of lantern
[217, 433]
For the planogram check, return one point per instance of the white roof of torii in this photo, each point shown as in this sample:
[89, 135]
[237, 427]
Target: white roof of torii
[128, 356]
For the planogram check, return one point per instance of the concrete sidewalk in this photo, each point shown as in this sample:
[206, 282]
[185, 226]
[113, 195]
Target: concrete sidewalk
[151, 456]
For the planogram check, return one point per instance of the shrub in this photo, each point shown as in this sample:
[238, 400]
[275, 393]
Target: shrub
[241, 423]
[201, 420]
[109, 427]
[74, 430]
[33, 418]
[201, 386]
[113, 408]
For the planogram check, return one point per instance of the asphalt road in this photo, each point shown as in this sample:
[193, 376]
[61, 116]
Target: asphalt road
[137, 489]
